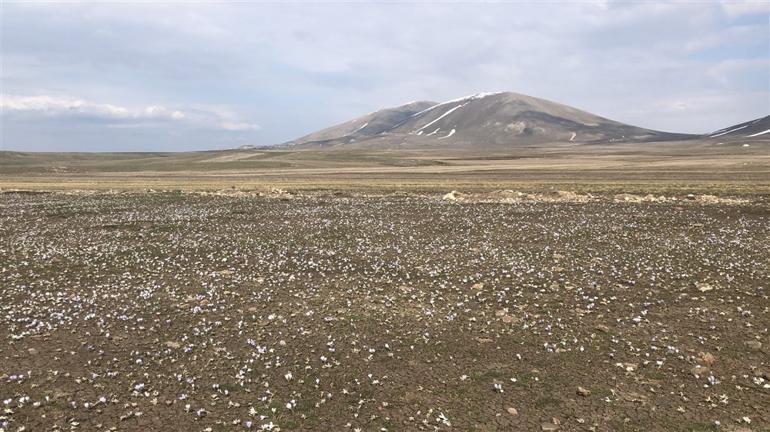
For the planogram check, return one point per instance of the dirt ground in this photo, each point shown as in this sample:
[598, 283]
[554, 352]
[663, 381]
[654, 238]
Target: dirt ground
[283, 311]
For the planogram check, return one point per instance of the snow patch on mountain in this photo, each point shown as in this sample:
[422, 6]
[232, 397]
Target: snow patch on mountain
[462, 99]
[449, 111]
[727, 132]
[758, 134]
[452, 132]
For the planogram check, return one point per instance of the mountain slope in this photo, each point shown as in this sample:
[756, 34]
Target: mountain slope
[482, 120]
[758, 128]
[366, 126]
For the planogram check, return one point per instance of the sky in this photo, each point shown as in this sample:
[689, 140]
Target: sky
[177, 76]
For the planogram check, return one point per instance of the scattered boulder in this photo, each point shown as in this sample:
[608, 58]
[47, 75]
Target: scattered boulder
[582, 391]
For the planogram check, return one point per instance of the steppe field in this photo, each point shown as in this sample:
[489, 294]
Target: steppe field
[570, 288]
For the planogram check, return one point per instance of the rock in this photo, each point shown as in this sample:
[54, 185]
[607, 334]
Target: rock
[501, 312]
[762, 373]
[451, 196]
[497, 386]
[174, 345]
[478, 286]
[549, 427]
[508, 319]
[32, 351]
[512, 411]
[704, 287]
[603, 328]
[708, 359]
[699, 371]
[629, 367]
[582, 391]
[754, 345]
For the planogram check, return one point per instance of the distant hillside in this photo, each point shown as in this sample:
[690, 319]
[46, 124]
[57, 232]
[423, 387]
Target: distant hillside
[366, 126]
[759, 128]
[496, 120]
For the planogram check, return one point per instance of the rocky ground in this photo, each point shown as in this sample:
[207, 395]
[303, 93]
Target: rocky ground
[169, 311]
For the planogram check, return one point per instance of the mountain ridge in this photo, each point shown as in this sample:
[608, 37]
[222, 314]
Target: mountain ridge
[490, 119]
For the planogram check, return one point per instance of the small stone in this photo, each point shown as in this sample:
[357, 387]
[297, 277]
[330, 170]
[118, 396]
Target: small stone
[629, 367]
[699, 371]
[497, 386]
[754, 345]
[708, 359]
[32, 351]
[512, 411]
[603, 328]
[174, 345]
[477, 286]
[582, 391]
[451, 196]
[549, 427]
[508, 319]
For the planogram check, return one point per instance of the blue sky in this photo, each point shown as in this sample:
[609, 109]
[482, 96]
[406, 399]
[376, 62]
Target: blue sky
[176, 76]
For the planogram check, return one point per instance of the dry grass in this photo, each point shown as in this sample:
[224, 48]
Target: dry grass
[693, 167]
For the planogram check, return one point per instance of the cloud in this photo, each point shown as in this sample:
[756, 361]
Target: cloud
[57, 107]
[737, 8]
[239, 126]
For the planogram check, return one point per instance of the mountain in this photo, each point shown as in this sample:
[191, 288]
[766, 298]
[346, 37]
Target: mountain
[496, 120]
[759, 128]
[366, 126]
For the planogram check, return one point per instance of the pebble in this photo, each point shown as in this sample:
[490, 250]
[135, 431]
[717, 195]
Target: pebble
[549, 426]
[754, 345]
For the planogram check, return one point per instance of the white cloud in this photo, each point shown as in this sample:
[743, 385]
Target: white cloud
[242, 126]
[736, 8]
[56, 106]
[64, 106]
[46, 106]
